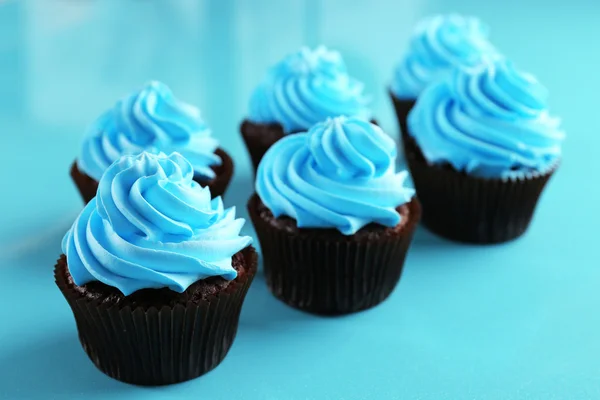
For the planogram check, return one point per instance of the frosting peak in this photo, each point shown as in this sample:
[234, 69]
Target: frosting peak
[154, 114]
[490, 122]
[340, 174]
[149, 118]
[306, 87]
[438, 44]
[312, 62]
[152, 226]
[351, 148]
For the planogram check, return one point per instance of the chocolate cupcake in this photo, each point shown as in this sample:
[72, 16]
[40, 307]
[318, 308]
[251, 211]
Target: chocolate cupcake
[438, 44]
[482, 147]
[333, 218]
[155, 272]
[304, 88]
[151, 119]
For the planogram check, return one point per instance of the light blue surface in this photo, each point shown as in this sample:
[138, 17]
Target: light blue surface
[515, 321]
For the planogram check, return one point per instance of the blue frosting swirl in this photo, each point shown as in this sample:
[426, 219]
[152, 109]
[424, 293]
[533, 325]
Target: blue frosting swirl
[151, 118]
[340, 174]
[438, 44]
[307, 87]
[491, 122]
[152, 226]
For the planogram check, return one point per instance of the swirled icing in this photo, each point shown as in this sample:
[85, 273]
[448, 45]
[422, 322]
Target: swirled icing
[490, 122]
[340, 174]
[438, 44]
[307, 87]
[151, 118]
[152, 226]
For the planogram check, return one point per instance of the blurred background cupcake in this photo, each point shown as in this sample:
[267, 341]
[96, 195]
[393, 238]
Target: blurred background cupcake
[151, 119]
[481, 147]
[437, 45]
[304, 88]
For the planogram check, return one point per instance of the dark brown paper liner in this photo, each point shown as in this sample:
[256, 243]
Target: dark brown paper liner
[330, 274]
[471, 209]
[150, 346]
[259, 138]
[402, 107]
[88, 186]
[224, 172]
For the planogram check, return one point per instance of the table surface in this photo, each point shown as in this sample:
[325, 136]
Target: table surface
[512, 321]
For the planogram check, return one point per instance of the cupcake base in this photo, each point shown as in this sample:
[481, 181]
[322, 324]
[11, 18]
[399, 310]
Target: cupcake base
[402, 108]
[470, 209]
[223, 174]
[157, 336]
[259, 138]
[324, 272]
[88, 186]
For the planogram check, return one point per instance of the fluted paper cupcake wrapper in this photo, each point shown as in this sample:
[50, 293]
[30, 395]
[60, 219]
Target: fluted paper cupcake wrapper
[158, 346]
[331, 276]
[402, 108]
[471, 209]
[224, 173]
[88, 186]
[259, 138]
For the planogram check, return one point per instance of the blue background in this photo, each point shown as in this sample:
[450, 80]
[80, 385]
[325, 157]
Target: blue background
[513, 321]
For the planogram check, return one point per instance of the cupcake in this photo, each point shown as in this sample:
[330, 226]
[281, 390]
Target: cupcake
[304, 88]
[151, 119]
[155, 272]
[481, 148]
[438, 44]
[333, 218]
